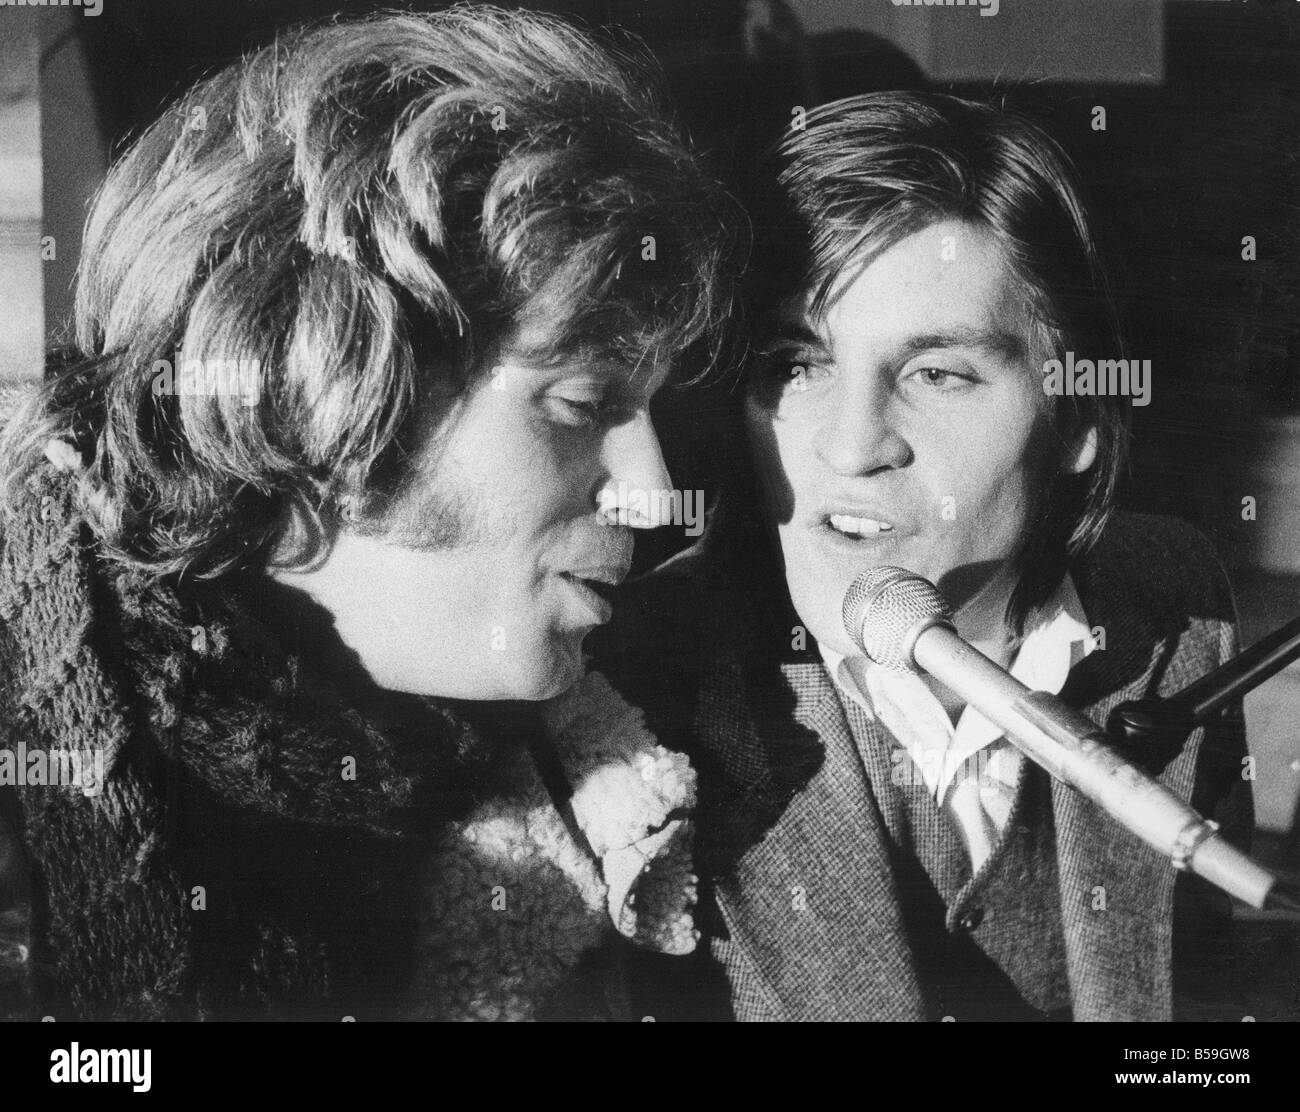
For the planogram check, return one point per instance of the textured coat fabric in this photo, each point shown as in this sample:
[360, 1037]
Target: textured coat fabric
[802, 904]
[987, 945]
[270, 843]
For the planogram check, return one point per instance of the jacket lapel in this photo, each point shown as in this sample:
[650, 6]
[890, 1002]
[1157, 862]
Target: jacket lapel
[804, 883]
[1117, 893]
[795, 812]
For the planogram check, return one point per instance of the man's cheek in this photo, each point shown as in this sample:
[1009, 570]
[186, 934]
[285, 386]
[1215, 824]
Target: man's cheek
[988, 523]
[980, 481]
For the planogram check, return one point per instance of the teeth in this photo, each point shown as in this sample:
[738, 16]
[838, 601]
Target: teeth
[859, 526]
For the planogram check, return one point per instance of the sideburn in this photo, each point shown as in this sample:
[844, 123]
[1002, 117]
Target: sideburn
[1042, 559]
[424, 507]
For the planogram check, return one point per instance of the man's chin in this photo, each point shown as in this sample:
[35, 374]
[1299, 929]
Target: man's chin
[819, 615]
[550, 674]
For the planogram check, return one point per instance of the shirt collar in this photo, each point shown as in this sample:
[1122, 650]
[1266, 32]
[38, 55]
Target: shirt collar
[1057, 637]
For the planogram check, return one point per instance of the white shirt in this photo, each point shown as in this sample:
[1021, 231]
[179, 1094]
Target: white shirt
[972, 770]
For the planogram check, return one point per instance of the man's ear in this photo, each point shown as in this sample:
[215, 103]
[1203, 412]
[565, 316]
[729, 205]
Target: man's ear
[304, 539]
[1082, 453]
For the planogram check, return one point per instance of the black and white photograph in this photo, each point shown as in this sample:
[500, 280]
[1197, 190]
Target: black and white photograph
[651, 511]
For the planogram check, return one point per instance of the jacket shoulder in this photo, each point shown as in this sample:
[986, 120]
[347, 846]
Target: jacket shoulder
[1162, 567]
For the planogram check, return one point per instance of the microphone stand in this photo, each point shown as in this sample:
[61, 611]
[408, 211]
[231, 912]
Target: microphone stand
[1173, 718]
[1166, 723]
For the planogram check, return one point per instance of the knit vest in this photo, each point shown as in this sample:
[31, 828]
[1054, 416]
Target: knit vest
[985, 947]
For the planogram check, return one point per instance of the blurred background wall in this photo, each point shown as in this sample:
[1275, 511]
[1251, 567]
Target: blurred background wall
[1199, 150]
[21, 332]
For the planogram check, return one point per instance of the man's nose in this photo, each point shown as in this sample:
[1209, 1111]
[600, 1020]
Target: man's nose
[860, 434]
[637, 475]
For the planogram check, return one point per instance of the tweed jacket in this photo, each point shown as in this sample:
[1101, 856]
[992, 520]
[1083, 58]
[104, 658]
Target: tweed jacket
[711, 647]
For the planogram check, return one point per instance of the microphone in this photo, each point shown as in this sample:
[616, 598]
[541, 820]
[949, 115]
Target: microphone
[900, 621]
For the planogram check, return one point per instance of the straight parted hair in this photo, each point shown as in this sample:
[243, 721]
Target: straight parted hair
[360, 211]
[866, 172]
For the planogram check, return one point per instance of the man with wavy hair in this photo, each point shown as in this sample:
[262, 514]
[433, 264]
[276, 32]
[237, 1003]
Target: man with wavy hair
[367, 329]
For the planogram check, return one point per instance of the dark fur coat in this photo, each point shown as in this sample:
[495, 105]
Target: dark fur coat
[260, 846]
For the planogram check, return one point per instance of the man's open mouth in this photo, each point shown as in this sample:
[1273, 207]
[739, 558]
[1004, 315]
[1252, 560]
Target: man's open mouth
[850, 526]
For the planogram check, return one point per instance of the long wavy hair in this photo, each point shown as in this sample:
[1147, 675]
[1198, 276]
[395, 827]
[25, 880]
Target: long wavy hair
[357, 212]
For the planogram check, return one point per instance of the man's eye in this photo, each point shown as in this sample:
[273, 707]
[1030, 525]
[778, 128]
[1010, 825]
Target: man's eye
[780, 377]
[941, 378]
[581, 412]
[578, 412]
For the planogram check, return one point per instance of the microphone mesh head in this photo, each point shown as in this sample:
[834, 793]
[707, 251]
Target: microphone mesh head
[885, 608]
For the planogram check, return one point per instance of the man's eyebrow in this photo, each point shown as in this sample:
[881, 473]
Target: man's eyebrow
[1007, 346]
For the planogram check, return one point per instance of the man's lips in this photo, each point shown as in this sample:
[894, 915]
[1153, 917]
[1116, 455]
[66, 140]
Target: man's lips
[596, 595]
[609, 574]
[599, 578]
[855, 521]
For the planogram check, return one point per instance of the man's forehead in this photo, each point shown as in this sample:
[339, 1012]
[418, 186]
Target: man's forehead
[948, 278]
[1005, 327]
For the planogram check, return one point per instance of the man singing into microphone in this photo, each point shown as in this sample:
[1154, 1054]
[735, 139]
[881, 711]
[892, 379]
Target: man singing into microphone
[871, 848]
